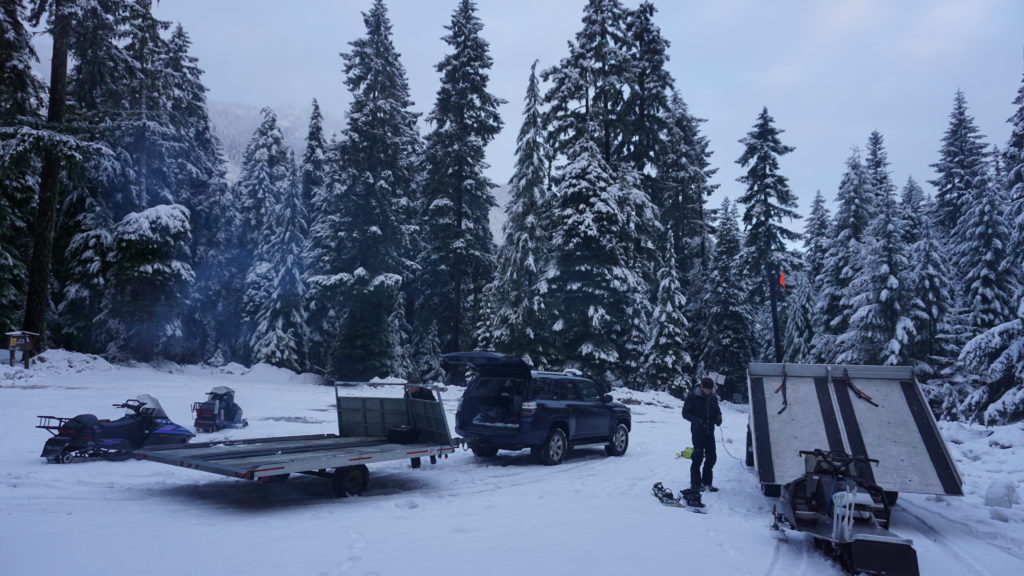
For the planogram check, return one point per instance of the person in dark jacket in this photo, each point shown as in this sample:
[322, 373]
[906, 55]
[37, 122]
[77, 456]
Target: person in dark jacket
[701, 410]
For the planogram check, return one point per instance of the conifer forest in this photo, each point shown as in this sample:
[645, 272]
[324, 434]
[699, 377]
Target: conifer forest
[368, 253]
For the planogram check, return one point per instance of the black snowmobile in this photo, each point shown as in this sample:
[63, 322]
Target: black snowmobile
[219, 411]
[86, 437]
[847, 516]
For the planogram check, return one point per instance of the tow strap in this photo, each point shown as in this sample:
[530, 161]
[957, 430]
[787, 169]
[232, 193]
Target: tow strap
[857, 391]
[782, 387]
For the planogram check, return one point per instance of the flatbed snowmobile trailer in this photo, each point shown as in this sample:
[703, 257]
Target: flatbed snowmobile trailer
[370, 430]
[839, 443]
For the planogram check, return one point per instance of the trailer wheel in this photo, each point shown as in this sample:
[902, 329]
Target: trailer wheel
[66, 458]
[350, 481]
[416, 462]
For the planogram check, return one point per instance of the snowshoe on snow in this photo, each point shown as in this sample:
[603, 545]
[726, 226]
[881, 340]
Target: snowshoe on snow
[691, 497]
[668, 498]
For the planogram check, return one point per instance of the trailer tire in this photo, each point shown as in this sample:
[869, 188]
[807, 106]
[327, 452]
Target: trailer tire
[771, 490]
[350, 481]
[415, 462]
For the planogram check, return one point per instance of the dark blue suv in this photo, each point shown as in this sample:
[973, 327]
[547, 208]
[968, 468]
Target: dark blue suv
[506, 406]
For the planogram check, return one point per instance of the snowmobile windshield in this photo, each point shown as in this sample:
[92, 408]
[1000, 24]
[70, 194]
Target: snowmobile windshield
[153, 405]
[220, 393]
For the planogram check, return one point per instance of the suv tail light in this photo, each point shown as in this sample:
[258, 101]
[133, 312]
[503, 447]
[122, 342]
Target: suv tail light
[529, 408]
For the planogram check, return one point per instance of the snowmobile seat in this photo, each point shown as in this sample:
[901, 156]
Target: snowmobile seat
[87, 420]
[127, 428]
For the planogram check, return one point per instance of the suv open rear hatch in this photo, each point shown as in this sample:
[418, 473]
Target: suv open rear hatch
[490, 364]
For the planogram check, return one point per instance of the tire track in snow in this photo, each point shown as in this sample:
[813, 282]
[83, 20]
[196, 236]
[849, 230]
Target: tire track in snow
[948, 548]
[1000, 540]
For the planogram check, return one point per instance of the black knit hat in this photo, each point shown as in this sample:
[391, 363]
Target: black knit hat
[707, 383]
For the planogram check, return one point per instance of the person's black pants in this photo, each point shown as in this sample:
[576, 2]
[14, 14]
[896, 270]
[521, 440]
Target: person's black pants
[703, 459]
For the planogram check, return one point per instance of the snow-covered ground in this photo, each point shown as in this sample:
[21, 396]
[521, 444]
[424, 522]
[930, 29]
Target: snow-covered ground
[593, 515]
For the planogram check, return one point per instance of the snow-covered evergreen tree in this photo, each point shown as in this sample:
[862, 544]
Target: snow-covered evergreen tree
[666, 364]
[684, 184]
[591, 282]
[728, 338]
[842, 262]
[882, 322]
[313, 168]
[211, 321]
[876, 162]
[801, 323]
[279, 333]
[913, 213]
[987, 284]
[137, 93]
[362, 218]
[427, 356]
[262, 188]
[21, 95]
[517, 295]
[817, 240]
[997, 355]
[646, 112]
[767, 201]
[317, 199]
[261, 184]
[587, 91]
[149, 276]
[962, 169]
[458, 257]
[1014, 160]
[934, 292]
[400, 361]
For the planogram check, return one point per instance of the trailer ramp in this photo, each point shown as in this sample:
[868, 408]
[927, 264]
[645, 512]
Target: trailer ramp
[872, 411]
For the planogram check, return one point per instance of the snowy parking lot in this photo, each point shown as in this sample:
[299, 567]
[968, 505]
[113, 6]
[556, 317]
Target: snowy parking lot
[592, 515]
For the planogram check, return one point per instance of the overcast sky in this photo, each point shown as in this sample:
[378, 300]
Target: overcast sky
[829, 72]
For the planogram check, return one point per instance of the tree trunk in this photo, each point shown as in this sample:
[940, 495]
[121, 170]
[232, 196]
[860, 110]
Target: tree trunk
[38, 296]
[776, 333]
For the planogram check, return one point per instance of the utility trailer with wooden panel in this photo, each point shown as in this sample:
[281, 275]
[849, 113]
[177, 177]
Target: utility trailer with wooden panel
[370, 430]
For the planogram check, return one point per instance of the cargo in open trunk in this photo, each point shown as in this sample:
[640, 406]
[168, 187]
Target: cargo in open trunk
[494, 402]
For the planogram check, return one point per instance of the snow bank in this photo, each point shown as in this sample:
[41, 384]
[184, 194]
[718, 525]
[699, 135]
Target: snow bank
[53, 363]
[1002, 493]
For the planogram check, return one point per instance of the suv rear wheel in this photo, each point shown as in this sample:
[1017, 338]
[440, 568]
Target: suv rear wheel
[618, 442]
[555, 448]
